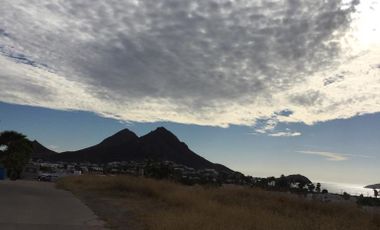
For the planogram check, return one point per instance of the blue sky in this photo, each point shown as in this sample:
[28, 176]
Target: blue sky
[235, 146]
[265, 87]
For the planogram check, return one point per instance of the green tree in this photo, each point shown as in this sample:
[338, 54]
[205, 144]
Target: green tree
[15, 151]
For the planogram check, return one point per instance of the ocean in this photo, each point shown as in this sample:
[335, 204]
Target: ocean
[339, 188]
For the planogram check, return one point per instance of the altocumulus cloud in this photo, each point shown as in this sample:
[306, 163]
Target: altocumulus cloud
[207, 62]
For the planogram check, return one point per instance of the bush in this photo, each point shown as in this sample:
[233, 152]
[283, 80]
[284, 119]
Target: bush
[368, 201]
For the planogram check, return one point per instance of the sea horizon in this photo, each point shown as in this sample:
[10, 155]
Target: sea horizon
[352, 189]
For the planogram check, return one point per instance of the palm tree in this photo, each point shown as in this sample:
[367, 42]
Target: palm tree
[15, 151]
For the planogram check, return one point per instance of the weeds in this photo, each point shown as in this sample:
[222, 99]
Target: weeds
[177, 206]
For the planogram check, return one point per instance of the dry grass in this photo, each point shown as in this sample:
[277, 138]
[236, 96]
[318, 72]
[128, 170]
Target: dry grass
[165, 205]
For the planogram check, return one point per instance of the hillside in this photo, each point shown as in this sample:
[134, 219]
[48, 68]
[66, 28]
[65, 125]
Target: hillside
[297, 178]
[118, 147]
[40, 151]
[373, 186]
[158, 145]
[140, 203]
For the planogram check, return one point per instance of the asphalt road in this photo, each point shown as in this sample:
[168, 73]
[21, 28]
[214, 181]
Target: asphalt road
[39, 205]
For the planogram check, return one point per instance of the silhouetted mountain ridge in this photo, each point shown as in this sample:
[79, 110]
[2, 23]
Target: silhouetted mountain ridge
[298, 178]
[40, 151]
[123, 135]
[373, 186]
[159, 145]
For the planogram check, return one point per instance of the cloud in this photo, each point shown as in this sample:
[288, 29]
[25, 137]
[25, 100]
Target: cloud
[207, 62]
[331, 156]
[327, 155]
[269, 126]
[333, 79]
[285, 134]
[307, 98]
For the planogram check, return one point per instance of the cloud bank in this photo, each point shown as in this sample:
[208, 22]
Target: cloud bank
[206, 62]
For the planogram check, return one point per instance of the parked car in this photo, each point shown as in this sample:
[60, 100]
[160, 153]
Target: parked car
[47, 177]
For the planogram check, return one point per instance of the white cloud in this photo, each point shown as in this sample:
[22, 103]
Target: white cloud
[327, 155]
[331, 156]
[207, 62]
[285, 134]
[269, 126]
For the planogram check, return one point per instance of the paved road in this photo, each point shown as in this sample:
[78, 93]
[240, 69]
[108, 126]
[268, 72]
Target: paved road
[39, 205]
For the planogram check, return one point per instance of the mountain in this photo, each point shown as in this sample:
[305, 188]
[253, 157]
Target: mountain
[297, 178]
[121, 146]
[373, 186]
[161, 144]
[158, 145]
[40, 151]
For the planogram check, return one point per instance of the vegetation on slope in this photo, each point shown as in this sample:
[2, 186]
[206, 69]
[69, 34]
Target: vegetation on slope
[166, 205]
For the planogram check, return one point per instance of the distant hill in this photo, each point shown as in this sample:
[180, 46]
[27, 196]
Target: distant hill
[158, 145]
[121, 146]
[40, 151]
[297, 178]
[373, 186]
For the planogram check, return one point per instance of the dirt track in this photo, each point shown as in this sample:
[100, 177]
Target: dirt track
[39, 205]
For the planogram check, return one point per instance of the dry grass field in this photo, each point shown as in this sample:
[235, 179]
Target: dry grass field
[139, 203]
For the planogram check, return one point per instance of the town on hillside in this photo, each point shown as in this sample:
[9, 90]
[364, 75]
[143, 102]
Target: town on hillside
[35, 162]
[51, 171]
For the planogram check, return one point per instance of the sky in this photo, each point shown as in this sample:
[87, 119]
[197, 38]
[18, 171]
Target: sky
[266, 87]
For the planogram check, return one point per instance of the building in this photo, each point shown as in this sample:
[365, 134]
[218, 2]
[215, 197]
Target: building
[3, 173]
